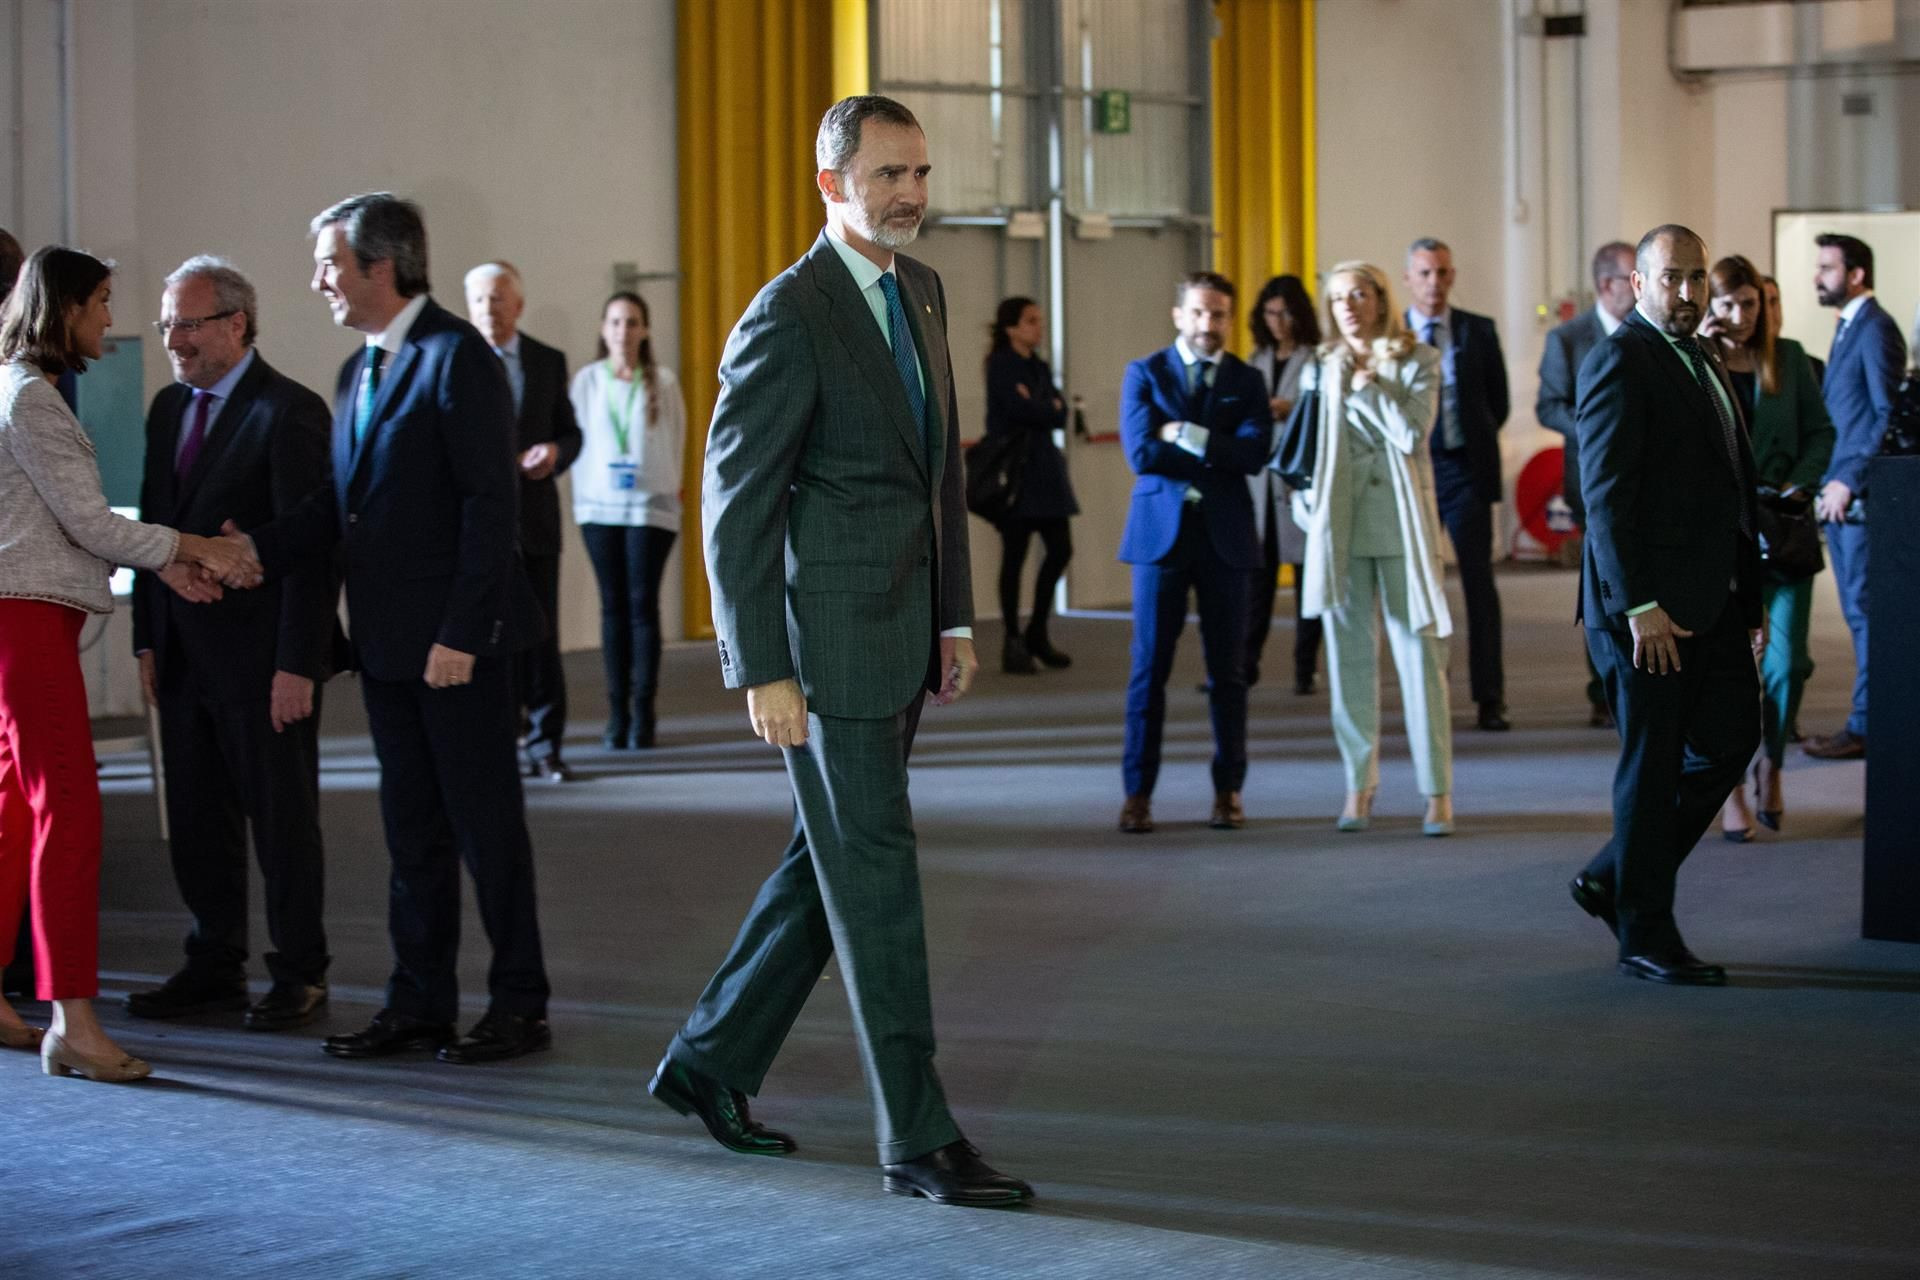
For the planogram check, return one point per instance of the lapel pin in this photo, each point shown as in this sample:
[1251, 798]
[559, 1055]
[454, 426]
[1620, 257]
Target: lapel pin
[927, 307]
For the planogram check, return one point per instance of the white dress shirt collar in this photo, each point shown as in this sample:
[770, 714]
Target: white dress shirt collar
[1607, 323]
[394, 336]
[865, 274]
[1852, 309]
[1189, 356]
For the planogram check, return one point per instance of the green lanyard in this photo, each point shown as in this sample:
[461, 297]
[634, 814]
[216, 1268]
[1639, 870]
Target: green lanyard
[622, 422]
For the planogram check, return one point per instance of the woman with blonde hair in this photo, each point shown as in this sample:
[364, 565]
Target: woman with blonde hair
[1373, 539]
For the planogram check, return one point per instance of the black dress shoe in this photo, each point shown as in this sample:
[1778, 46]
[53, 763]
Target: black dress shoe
[723, 1110]
[1493, 718]
[955, 1174]
[617, 733]
[1043, 651]
[497, 1037]
[645, 726]
[1677, 967]
[187, 993]
[389, 1033]
[1837, 746]
[1599, 718]
[1303, 686]
[1594, 898]
[1014, 658]
[287, 1005]
[552, 769]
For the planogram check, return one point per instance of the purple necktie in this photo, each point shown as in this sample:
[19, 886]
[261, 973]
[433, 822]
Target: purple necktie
[196, 435]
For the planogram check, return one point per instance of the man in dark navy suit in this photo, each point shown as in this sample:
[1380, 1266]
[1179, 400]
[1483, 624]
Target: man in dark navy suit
[1863, 372]
[1465, 444]
[237, 681]
[548, 441]
[1670, 595]
[423, 513]
[1195, 423]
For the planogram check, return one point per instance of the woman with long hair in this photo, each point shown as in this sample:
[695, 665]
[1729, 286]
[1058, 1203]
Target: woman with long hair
[1021, 397]
[59, 543]
[1285, 332]
[626, 500]
[1792, 439]
[1373, 539]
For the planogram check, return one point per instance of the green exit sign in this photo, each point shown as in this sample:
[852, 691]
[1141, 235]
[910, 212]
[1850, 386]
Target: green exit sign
[1112, 111]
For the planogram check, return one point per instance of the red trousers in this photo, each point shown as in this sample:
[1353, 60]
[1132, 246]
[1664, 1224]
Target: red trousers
[49, 798]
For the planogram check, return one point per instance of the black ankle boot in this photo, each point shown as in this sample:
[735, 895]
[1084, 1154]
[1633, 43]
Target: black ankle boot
[1040, 647]
[619, 727]
[1014, 658]
[643, 724]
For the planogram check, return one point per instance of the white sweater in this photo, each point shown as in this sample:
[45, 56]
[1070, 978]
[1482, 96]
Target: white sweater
[654, 448]
[58, 539]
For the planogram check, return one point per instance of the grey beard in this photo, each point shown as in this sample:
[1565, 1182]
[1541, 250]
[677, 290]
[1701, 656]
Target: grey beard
[883, 235]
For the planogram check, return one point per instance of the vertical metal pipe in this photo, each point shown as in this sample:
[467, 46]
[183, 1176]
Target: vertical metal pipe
[69, 150]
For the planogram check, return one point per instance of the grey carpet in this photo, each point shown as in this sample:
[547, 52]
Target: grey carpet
[1274, 1052]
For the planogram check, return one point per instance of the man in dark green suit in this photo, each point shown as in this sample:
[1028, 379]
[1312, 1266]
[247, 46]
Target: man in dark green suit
[836, 544]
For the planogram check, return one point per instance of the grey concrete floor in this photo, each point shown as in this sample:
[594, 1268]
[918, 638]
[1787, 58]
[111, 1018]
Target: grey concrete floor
[1272, 1052]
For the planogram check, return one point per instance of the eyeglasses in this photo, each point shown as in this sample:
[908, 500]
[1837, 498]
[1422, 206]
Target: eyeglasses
[188, 327]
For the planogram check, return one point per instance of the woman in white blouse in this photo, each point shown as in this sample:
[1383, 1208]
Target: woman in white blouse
[1373, 540]
[626, 500]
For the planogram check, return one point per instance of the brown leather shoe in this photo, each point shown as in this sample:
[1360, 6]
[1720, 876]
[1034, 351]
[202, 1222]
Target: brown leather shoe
[1836, 746]
[1227, 813]
[1136, 815]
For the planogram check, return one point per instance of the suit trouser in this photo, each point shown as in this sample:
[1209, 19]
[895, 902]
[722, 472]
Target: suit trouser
[1847, 548]
[1685, 739]
[1160, 593]
[848, 884]
[227, 769]
[539, 683]
[1353, 674]
[450, 793]
[1469, 521]
[1786, 665]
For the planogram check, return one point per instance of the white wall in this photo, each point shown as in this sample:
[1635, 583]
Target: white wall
[539, 133]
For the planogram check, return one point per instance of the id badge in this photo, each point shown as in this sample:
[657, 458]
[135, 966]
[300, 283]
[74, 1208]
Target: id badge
[625, 475]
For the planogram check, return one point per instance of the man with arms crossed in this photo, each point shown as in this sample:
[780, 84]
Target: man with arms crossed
[1670, 595]
[836, 542]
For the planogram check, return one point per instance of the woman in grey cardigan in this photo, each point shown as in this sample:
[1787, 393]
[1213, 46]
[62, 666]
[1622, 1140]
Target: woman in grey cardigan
[58, 545]
[1373, 540]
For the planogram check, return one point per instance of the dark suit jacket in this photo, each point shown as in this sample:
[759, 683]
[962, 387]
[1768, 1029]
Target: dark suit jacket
[546, 417]
[1480, 383]
[1863, 372]
[1239, 437]
[1663, 501]
[424, 512]
[263, 455]
[1558, 401]
[836, 541]
[1045, 491]
[1792, 435]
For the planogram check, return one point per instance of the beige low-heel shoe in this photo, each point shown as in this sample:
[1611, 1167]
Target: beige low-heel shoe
[1357, 814]
[58, 1058]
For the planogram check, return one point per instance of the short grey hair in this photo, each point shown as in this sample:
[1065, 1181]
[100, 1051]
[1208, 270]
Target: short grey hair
[839, 138]
[497, 267]
[1427, 244]
[380, 225]
[231, 290]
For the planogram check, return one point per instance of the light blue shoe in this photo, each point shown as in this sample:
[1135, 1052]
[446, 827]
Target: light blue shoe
[1361, 802]
[1436, 828]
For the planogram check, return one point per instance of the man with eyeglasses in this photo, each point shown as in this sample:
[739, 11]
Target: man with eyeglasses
[1566, 347]
[237, 681]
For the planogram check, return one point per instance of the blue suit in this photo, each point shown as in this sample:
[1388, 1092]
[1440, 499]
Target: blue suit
[1863, 372]
[1176, 546]
[424, 512]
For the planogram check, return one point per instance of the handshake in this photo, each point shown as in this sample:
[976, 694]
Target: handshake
[202, 566]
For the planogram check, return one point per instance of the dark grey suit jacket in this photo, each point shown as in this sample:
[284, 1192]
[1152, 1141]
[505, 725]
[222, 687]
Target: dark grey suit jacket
[1559, 398]
[835, 545]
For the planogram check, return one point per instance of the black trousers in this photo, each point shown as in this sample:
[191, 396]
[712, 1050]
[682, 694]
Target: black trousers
[1160, 594]
[1469, 521]
[539, 683]
[848, 884]
[1057, 541]
[1306, 631]
[628, 564]
[228, 771]
[1685, 740]
[450, 794]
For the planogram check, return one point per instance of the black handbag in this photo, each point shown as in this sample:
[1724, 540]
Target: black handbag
[1299, 446]
[996, 472]
[1789, 534]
